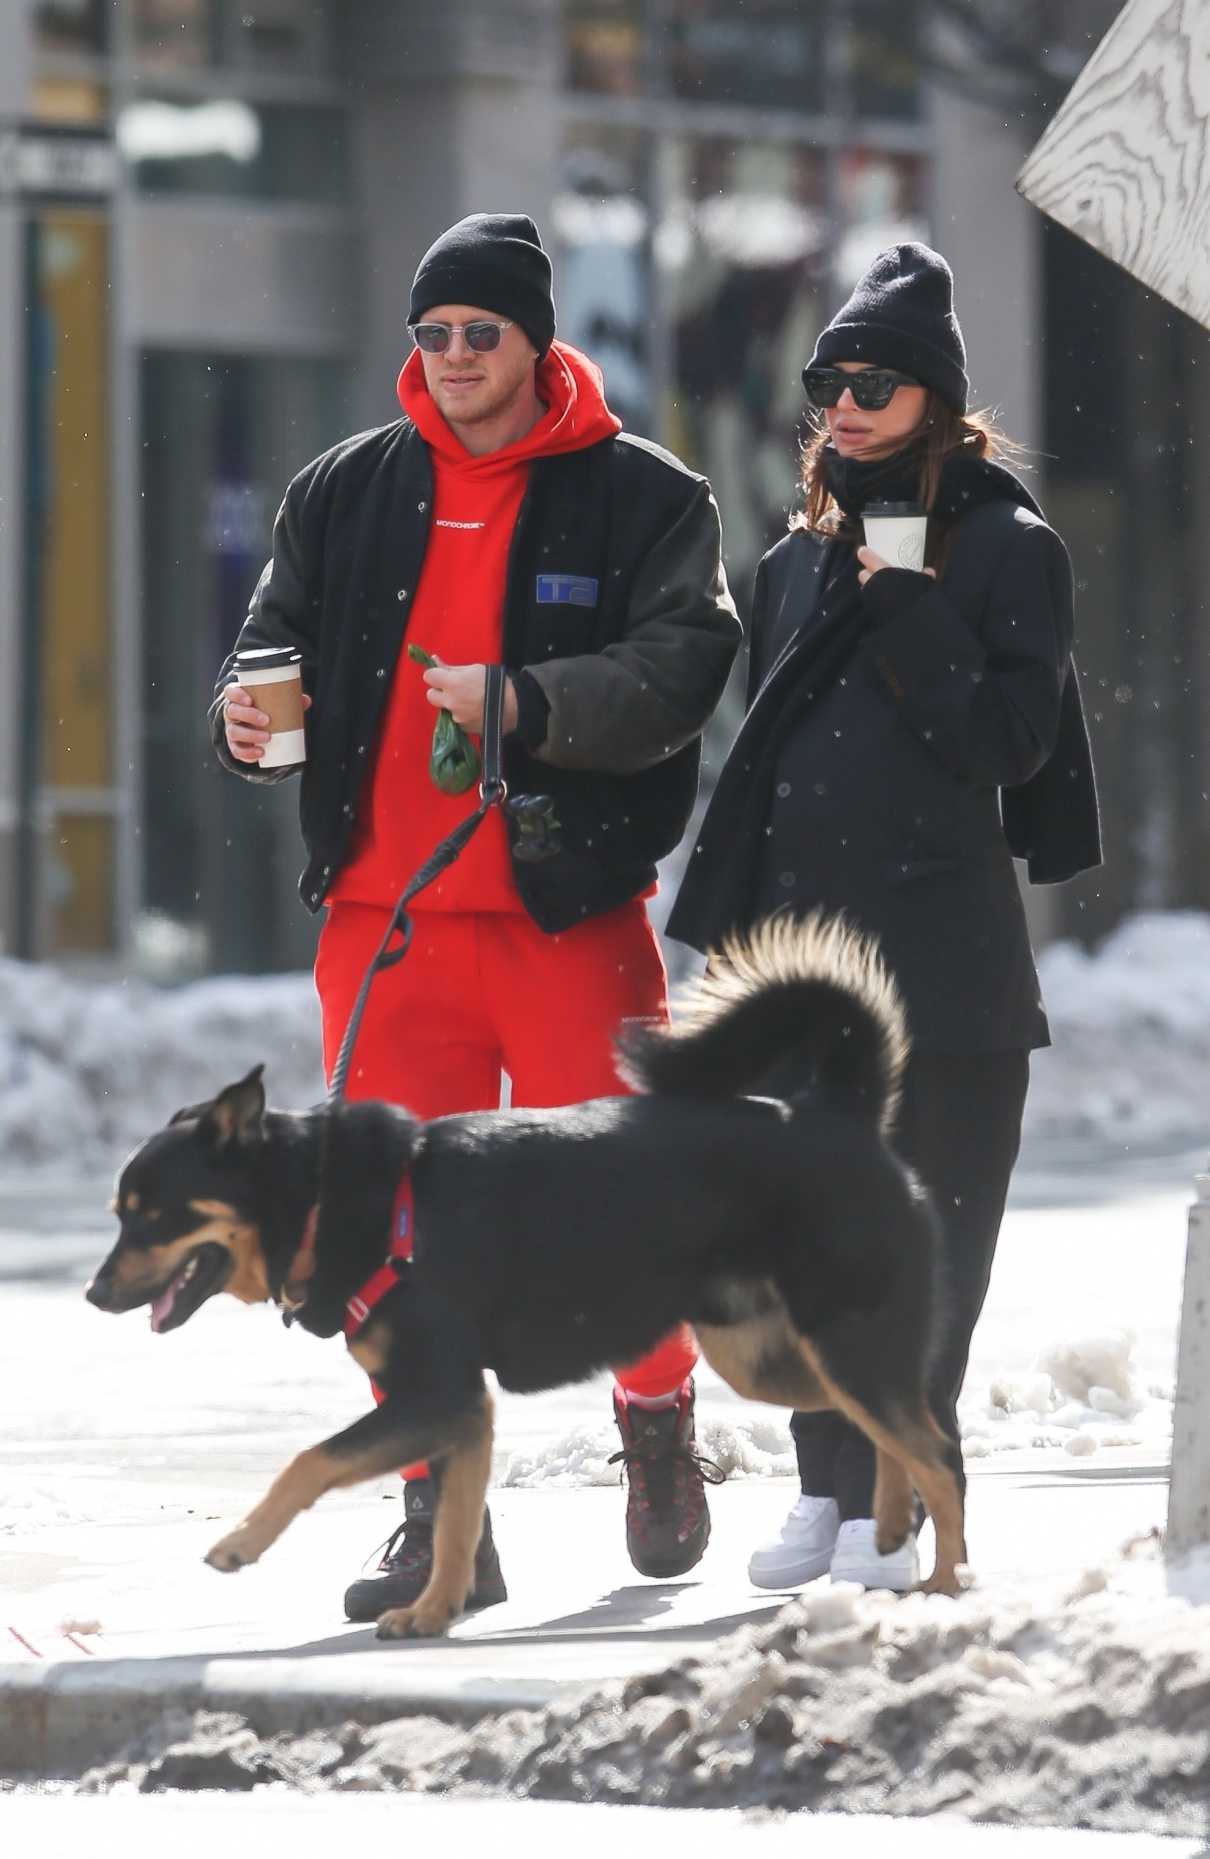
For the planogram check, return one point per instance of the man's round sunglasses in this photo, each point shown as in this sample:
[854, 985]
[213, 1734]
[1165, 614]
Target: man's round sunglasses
[871, 388]
[482, 338]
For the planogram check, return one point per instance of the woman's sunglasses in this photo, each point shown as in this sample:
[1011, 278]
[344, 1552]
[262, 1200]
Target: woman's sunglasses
[871, 388]
[482, 338]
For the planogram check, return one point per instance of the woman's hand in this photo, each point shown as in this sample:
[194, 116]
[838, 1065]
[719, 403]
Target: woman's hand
[872, 562]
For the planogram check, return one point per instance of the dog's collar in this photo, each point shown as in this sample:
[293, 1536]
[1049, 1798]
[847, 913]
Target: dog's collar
[302, 1268]
[359, 1308]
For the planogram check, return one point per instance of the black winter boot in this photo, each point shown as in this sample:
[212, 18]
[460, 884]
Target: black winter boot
[407, 1561]
[667, 1519]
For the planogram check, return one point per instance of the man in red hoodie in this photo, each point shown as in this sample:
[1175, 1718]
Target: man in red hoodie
[507, 520]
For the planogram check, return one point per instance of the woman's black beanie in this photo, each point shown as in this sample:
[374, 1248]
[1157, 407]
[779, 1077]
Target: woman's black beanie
[496, 262]
[901, 315]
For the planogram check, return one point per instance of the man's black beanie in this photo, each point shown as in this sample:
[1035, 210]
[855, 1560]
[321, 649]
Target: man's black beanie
[901, 315]
[494, 261]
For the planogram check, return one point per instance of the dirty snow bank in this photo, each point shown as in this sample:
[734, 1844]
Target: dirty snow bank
[1088, 1707]
[88, 1069]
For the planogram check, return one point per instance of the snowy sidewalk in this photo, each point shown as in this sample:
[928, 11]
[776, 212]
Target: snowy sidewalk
[125, 1455]
[312, 1826]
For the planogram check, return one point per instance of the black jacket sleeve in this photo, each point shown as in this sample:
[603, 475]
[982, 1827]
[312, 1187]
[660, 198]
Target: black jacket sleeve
[758, 656]
[639, 700]
[282, 612]
[982, 692]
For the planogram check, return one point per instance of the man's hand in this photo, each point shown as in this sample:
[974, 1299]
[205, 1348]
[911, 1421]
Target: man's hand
[871, 563]
[246, 727]
[460, 689]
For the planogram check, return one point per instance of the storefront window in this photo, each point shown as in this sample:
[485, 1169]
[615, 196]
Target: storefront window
[881, 60]
[232, 146]
[743, 255]
[221, 437]
[766, 52]
[172, 35]
[603, 277]
[273, 35]
[606, 42]
[70, 25]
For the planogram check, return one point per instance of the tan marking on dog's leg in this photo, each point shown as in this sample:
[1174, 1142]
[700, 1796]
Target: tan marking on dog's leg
[300, 1485]
[918, 1443]
[760, 1359]
[456, 1532]
[892, 1502]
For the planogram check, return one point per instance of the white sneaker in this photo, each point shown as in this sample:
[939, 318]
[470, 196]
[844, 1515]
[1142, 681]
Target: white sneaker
[857, 1559]
[803, 1551]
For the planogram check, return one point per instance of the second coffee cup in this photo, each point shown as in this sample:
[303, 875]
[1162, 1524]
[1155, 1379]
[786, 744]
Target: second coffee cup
[272, 677]
[896, 531]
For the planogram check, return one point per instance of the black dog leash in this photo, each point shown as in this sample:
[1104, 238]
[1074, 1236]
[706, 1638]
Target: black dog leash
[492, 792]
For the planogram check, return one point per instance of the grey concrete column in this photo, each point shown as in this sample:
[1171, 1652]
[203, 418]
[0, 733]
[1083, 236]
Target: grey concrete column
[992, 240]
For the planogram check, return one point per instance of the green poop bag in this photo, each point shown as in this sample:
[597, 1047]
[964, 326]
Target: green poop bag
[454, 763]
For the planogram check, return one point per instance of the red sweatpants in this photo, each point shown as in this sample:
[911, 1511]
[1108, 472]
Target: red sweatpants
[479, 995]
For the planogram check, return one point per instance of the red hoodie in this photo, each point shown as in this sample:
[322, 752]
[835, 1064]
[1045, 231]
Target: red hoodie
[457, 614]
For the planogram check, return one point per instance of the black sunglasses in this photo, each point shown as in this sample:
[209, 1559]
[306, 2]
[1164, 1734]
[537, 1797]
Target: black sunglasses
[482, 338]
[871, 388]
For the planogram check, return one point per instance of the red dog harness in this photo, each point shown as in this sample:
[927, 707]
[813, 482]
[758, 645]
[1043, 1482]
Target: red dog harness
[360, 1307]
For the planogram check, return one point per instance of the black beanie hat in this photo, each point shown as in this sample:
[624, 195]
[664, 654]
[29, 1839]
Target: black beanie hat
[901, 315]
[496, 262]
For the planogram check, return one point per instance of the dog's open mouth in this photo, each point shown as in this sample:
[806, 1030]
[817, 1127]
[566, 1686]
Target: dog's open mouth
[203, 1273]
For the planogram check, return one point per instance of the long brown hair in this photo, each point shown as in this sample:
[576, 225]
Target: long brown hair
[941, 432]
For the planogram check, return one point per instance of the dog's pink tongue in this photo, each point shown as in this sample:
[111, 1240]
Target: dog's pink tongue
[161, 1305]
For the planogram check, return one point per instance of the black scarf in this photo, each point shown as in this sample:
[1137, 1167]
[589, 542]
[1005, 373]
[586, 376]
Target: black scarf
[966, 482]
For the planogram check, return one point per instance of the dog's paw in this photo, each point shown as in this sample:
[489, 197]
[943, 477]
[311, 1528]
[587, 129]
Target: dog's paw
[424, 1621]
[234, 1552]
[940, 1583]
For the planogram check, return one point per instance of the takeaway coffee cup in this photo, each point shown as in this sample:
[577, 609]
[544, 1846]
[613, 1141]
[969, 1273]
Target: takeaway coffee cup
[896, 532]
[272, 677]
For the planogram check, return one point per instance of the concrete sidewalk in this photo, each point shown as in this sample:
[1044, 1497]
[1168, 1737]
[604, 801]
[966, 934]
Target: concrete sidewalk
[270, 1642]
[309, 1826]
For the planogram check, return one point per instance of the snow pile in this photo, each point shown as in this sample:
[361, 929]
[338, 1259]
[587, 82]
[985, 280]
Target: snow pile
[1131, 1027]
[1083, 1707]
[756, 1447]
[87, 1070]
[1080, 1394]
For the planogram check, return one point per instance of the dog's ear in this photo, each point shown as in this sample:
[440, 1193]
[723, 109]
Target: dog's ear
[237, 1113]
[189, 1113]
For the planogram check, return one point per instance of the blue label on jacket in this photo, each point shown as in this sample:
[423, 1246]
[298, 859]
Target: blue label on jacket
[567, 590]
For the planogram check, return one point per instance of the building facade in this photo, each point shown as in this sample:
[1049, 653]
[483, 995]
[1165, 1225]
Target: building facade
[210, 211]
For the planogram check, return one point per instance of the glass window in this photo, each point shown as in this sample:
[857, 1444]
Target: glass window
[881, 57]
[743, 254]
[221, 437]
[767, 52]
[174, 34]
[71, 25]
[603, 274]
[881, 199]
[605, 42]
[273, 35]
[232, 146]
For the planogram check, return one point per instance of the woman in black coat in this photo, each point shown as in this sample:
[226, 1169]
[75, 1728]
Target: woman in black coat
[907, 734]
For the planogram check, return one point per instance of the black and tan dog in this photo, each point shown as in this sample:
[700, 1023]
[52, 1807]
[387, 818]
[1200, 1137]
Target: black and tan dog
[746, 1189]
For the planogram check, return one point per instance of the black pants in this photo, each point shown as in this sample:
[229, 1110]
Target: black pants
[959, 1127]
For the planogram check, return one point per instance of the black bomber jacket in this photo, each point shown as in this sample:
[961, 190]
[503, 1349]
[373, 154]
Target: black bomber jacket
[619, 631]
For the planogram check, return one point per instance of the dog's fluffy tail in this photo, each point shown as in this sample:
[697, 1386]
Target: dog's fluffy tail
[799, 1007]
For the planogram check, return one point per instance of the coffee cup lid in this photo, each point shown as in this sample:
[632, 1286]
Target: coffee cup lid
[267, 657]
[893, 509]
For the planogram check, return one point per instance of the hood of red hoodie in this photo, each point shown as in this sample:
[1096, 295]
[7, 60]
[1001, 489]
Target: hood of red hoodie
[572, 388]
